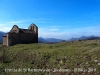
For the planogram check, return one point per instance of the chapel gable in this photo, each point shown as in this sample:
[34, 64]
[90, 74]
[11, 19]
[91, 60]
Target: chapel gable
[14, 29]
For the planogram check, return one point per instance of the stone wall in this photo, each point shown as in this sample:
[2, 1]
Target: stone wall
[22, 38]
[4, 40]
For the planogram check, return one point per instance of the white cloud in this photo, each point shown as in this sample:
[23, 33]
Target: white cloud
[2, 25]
[5, 29]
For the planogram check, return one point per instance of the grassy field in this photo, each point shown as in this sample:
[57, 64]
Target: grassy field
[66, 58]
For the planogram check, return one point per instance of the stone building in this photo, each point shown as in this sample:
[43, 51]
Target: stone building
[21, 36]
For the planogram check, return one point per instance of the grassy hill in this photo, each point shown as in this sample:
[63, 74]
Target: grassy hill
[51, 59]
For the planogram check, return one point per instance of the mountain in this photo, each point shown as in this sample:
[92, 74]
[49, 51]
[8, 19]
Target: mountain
[83, 37]
[53, 40]
[80, 38]
[1, 34]
[72, 39]
[49, 40]
[92, 37]
[42, 40]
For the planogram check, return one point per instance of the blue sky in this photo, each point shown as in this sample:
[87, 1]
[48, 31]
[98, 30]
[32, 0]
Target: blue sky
[60, 19]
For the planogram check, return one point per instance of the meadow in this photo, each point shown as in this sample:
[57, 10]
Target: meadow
[65, 58]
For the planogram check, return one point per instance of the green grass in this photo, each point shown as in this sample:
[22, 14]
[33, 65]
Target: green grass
[63, 55]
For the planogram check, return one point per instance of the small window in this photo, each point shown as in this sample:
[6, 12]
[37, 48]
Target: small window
[32, 27]
[14, 30]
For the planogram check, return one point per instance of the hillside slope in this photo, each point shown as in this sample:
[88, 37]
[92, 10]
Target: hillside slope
[63, 56]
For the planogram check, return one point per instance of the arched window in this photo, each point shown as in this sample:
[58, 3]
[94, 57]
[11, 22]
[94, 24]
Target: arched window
[32, 27]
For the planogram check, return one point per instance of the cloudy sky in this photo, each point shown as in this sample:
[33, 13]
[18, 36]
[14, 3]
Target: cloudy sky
[61, 19]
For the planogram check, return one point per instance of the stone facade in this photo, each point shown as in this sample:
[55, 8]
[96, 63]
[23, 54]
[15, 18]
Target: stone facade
[21, 36]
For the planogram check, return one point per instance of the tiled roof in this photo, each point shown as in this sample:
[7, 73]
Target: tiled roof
[25, 31]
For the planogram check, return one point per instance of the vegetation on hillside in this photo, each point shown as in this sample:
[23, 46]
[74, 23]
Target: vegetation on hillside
[32, 59]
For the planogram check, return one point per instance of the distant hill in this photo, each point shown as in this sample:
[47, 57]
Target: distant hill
[54, 40]
[80, 38]
[93, 38]
[85, 38]
[42, 40]
[1, 34]
[49, 40]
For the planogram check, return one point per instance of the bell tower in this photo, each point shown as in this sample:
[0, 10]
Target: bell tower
[33, 27]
